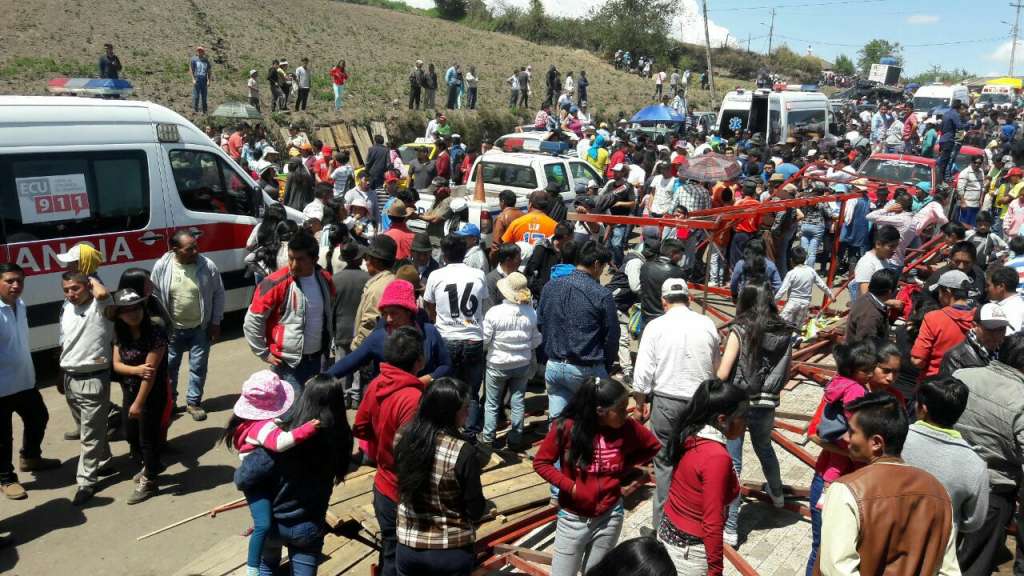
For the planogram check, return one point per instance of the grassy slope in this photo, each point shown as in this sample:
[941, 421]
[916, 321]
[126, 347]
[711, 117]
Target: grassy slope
[155, 39]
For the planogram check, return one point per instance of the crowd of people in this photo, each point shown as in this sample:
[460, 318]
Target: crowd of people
[430, 335]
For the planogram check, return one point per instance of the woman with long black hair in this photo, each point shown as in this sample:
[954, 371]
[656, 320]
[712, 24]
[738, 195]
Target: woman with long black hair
[301, 479]
[140, 360]
[441, 497]
[756, 359]
[704, 481]
[587, 452]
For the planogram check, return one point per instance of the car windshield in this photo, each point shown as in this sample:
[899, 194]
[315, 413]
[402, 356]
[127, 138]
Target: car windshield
[994, 98]
[926, 103]
[896, 170]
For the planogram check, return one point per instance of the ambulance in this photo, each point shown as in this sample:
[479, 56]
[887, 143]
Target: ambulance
[122, 176]
[777, 114]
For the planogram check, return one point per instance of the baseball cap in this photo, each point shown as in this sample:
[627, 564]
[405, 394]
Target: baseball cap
[619, 166]
[674, 287]
[70, 256]
[991, 316]
[1008, 159]
[954, 280]
[468, 230]
[592, 184]
[1014, 172]
[390, 176]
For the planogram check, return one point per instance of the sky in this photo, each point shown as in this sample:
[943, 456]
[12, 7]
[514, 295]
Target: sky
[949, 33]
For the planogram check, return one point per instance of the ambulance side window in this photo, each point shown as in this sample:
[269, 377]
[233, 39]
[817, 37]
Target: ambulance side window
[57, 195]
[207, 183]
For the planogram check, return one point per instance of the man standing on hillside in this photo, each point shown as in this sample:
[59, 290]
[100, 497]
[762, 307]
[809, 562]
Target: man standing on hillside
[110, 64]
[302, 82]
[554, 82]
[451, 79]
[274, 79]
[524, 87]
[202, 75]
[416, 81]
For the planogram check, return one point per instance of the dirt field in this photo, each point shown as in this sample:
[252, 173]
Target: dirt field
[154, 40]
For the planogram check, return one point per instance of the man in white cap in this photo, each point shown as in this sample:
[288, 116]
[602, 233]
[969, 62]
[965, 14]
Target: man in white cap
[678, 351]
[981, 345]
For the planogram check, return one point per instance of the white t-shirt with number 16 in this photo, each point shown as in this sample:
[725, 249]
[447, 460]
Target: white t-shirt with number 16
[459, 294]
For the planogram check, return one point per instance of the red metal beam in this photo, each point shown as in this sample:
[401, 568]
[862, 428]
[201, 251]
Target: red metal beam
[794, 449]
[738, 562]
[758, 494]
[525, 566]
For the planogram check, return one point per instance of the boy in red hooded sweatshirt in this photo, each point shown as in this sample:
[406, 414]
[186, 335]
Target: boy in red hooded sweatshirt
[391, 400]
[943, 329]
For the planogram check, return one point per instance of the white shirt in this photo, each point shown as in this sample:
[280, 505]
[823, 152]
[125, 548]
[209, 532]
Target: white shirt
[904, 224]
[583, 145]
[340, 176]
[799, 284]
[678, 351]
[510, 335]
[459, 293]
[477, 258]
[313, 330]
[314, 209]
[931, 213]
[15, 353]
[1013, 307]
[867, 265]
[637, 176]
[85, 337]
[431, 129]
[356, 194]
[302, 77]
[664, 194]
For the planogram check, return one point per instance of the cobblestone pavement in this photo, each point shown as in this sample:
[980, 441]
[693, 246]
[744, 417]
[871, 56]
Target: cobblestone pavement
[775, 542]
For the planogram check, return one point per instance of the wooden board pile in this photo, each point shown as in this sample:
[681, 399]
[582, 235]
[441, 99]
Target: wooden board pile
[342, 136]
[517, 491]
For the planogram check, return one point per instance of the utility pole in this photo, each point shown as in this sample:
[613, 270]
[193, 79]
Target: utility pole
[771, 31]
[1016, 28]
[707, 48]
[748, 42]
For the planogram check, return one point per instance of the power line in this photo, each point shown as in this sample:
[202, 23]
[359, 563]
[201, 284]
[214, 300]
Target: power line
[926, 45]
[801, 5]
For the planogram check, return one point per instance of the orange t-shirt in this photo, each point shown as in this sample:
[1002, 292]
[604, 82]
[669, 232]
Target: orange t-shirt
[532, 227]
[750, 224]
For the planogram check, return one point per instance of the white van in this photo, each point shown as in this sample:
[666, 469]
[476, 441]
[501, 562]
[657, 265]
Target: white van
[996, 97]
[938, 97]
[776, 114]
[122, 176]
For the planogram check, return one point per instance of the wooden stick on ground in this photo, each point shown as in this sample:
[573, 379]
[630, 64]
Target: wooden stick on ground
[211, 512]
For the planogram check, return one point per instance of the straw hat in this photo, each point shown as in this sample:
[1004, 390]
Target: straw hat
[514, 288]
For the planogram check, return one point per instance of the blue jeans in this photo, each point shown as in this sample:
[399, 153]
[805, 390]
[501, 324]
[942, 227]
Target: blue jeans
[760, 421]
[387, 519]
[782, 253]
[197, 343]
[468, 365]
[261, 510]
[817, 490]
[309, 366]
[495, 382]
[304, 541]
[563, 379]
[810, 239]
[617, 244]
[199, 95]
[969, 215]
[447, 561]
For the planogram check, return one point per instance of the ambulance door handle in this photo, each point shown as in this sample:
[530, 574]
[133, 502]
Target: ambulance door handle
[150, 237]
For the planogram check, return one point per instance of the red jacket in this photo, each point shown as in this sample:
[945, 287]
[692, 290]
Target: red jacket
[940, 332]
[703, 484]
[391, 400]
[276, 319]
[599, 487]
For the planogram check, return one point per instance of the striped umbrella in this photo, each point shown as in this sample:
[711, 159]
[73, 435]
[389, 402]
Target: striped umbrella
[710, 167]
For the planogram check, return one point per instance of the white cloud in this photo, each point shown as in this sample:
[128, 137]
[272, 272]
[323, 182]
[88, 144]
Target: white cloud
[922, 19]
[687, 26]
[1002, 53]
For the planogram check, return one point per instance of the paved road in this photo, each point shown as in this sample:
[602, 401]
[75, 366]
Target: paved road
[53, 537]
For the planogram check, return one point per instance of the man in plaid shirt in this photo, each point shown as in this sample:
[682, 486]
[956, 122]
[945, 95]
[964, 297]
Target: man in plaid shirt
[693, 196]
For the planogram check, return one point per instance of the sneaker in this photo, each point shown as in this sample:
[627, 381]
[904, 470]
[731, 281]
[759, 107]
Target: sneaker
[14, 491]
[518, 445]
[159, 470]
[730, 538]
[72, 435]
[144, 490]
[778, 500]
[83, 495]
[196, 412]
[34, 464]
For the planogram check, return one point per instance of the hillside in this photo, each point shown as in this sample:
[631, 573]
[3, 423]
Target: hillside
[154, 40]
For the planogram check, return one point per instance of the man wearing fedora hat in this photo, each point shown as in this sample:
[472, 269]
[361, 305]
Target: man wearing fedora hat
[423, 256]
[398, 212]
[510, 337]
[380, 258]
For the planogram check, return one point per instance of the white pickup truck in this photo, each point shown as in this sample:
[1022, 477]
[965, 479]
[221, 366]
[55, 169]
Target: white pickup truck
[520, 172]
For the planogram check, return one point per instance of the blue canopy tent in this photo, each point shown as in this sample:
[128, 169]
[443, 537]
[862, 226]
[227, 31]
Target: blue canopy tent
[657, 114]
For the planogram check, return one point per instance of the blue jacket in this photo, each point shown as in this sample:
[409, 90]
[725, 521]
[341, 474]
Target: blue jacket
[951, 123]
[371, 352]
[579, 321]
[856, 233]
[739, 278]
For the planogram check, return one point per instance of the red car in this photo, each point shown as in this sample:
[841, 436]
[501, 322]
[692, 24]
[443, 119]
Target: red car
[896, 171]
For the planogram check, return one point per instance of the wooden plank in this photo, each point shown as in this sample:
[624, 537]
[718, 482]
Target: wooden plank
[378, 128]
[343, 558]
[534, 556]
[509, 487]
[326, 136]
[343, 140]
[362, 139]
[206, 563]
[526, 567]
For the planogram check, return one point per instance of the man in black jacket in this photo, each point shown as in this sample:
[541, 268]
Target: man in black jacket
[654, 273]
[377, 162]
[544, 257]
[554, 85]
[556, 209]
[981, 346]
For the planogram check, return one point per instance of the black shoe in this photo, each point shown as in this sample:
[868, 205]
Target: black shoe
[519, 445]
[72, 435]
[84, 494]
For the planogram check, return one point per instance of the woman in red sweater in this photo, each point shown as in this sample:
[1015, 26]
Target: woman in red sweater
[704, 482]
[586, 454]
